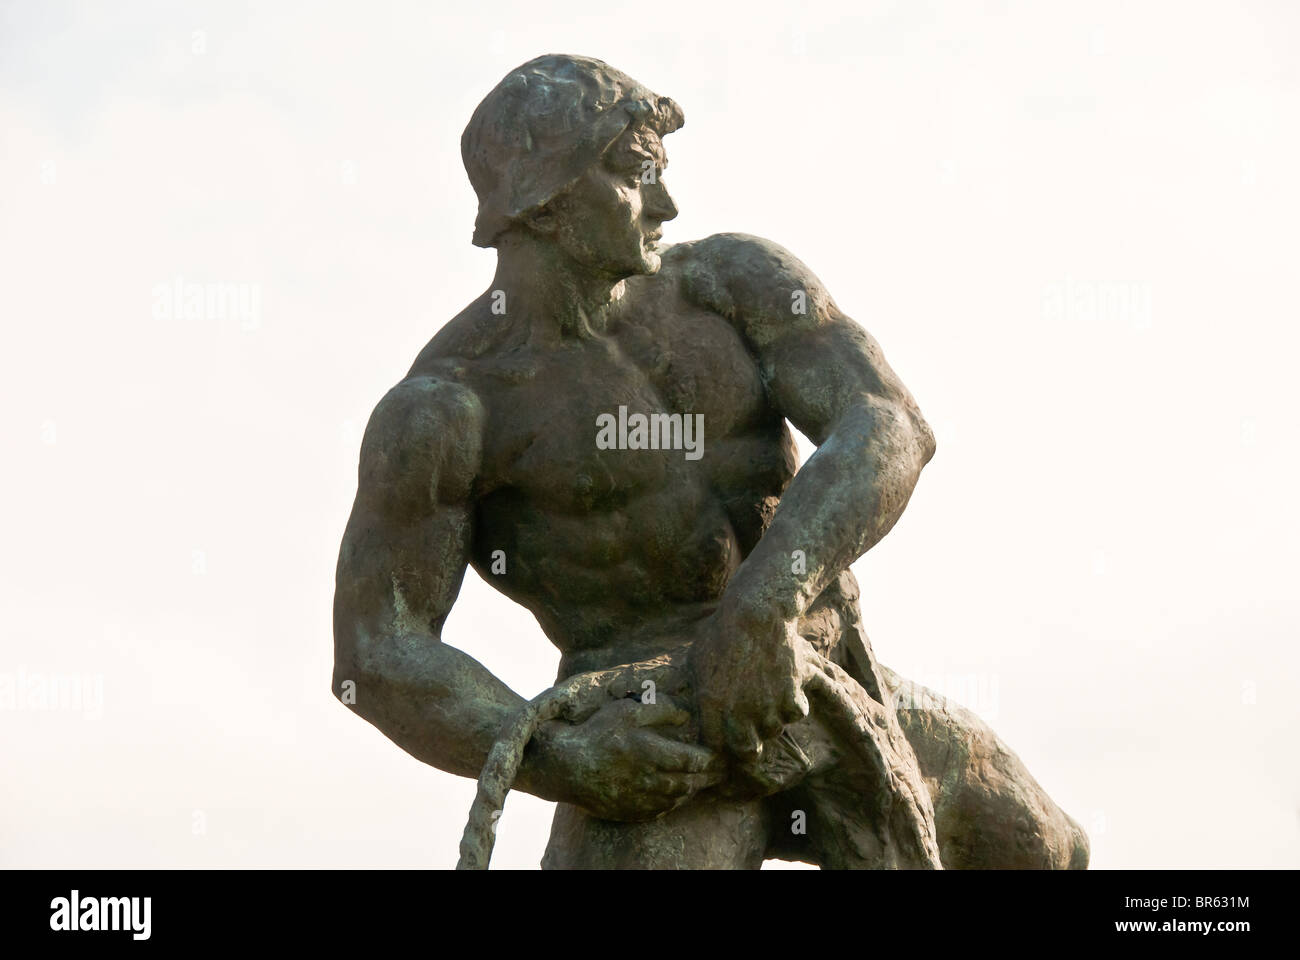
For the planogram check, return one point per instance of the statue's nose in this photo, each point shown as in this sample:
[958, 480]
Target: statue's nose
[661, 205]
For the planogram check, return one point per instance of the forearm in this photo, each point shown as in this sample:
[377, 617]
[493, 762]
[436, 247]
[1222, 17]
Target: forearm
[847, 496]
[437, 703]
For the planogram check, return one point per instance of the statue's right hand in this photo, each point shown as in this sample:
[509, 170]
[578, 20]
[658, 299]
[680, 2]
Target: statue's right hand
[622, 763]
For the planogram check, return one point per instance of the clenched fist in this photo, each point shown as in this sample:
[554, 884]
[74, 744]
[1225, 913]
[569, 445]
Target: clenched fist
[746, 673]
[622, 762]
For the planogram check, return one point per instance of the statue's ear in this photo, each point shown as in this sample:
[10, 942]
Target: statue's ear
[542, 220]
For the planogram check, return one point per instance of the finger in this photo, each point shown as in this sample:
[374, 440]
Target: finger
[660, 714]
[674, 755]
[770, 724]
[712, 732]
[795, 707]
[682, 784]
[742, 740]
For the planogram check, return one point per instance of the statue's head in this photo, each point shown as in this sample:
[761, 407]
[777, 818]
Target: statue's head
[570, 150]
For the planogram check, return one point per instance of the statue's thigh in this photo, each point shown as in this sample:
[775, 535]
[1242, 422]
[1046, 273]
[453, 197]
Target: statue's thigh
[713, 835]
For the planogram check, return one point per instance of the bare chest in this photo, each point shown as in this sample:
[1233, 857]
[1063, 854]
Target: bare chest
[648, 407]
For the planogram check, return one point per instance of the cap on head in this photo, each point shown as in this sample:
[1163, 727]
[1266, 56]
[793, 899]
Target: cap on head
[542, 126]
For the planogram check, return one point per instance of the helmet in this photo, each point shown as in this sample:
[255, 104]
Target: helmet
[545, 124]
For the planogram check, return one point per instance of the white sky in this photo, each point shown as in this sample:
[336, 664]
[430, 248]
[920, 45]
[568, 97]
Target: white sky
[1070, 225]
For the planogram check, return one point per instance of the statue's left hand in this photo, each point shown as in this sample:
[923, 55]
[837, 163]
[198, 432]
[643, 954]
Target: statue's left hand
[746, 673]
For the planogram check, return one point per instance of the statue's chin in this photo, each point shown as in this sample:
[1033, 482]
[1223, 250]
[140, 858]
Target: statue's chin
[645, 265]
[650, 259]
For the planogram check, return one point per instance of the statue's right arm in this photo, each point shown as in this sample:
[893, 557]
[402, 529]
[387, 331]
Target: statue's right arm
[400, 567]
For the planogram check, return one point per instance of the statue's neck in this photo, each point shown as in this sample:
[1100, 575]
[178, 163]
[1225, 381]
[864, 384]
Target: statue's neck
[550, 296]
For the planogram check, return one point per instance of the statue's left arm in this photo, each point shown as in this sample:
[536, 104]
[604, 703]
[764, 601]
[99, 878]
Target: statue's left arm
[828, 377]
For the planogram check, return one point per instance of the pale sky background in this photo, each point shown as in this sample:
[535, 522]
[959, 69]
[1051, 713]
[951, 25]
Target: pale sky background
[1070, 225]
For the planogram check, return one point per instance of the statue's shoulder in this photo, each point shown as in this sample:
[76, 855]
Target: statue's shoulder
[463, 339]
[426, 433]
[439, 393]
[755, 283]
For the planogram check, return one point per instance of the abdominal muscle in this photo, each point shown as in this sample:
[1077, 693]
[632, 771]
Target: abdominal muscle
[627, 585]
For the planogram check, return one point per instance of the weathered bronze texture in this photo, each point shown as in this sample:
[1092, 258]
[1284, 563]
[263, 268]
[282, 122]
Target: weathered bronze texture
[603, 434]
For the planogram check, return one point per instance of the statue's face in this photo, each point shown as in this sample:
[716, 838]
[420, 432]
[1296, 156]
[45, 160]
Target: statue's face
[610, 220]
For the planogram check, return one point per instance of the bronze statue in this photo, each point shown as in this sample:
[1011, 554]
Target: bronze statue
[603, 435]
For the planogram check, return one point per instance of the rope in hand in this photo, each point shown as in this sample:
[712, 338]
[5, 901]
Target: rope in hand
[865, 722]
